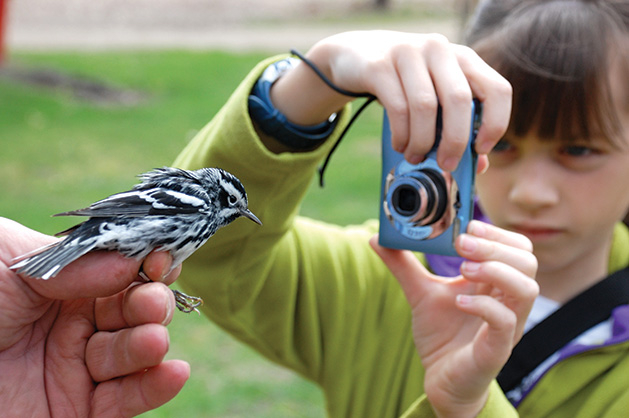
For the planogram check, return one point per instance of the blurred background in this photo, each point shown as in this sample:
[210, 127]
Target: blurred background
[94, 92]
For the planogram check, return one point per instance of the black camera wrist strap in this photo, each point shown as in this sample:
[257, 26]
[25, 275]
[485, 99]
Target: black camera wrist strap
[370, 98]
[579, 314]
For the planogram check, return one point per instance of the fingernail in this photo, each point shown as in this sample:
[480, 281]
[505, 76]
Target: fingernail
[470, 267]
[463, 299]
[468, 244]
[476, 228]
[450, 164]
[483, 147]
[165, 272]
[415, 159]
[170, 309]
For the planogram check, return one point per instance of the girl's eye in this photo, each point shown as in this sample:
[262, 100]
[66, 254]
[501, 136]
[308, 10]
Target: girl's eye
[578, 151]
[581, 156]
[502, 146]
[504, 153]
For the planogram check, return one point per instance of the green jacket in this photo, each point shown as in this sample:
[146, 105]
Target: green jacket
[315, 298]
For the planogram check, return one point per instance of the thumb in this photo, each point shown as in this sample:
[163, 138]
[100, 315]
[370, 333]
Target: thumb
[104, 273]
[96, 274]
[407, 269]
[101, 273]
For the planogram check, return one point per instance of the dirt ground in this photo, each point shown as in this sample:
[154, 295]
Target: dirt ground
[274, 25]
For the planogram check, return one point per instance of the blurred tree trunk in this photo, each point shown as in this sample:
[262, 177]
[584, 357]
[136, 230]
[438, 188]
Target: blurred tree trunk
[379, 4]
[3, 24]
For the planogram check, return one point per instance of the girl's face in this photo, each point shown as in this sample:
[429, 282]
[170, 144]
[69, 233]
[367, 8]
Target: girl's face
[565, 196]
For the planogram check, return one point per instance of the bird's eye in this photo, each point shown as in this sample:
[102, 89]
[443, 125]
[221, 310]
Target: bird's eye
[232, 199]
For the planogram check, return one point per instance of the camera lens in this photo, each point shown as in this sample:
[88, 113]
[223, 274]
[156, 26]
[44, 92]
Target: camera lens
[406, 200]
[421, 196]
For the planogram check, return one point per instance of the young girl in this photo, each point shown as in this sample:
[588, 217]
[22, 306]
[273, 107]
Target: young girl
[318, 299]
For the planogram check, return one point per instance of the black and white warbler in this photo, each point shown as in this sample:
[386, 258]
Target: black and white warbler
[170, 210]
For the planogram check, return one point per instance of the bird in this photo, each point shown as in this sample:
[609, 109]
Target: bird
[171, 209]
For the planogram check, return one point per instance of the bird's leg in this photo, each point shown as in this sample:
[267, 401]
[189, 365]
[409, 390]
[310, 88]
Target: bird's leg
[185, 303]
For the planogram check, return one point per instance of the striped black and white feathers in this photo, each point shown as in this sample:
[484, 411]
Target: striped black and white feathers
[170, 210]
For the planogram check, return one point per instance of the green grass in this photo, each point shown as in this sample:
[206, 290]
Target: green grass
[60, 153]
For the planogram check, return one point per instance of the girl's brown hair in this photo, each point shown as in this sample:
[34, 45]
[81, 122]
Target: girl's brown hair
[557, 54]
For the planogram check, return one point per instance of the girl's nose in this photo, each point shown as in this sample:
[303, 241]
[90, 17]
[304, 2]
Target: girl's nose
[533, 187]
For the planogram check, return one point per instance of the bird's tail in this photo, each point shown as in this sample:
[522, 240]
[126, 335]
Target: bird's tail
[49, 260]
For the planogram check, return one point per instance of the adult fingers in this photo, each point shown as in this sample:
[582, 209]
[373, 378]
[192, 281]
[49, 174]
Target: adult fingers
[22, 240]
[158, 267]
[140, 392]
[141, 304]
[103, 273]
[96, 274]
[110, 355]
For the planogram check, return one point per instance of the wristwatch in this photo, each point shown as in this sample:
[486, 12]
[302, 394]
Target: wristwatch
[274, 123]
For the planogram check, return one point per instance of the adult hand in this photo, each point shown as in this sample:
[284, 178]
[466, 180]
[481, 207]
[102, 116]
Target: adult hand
[466, 327]
[410, 74]
[87, 342]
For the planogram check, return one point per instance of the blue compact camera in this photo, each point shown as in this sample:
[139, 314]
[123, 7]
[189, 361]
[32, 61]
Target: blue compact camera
[423, 207]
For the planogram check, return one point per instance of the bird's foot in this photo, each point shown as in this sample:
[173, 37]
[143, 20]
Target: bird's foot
[186, 303]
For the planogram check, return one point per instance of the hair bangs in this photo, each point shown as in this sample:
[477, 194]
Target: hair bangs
[556, 47]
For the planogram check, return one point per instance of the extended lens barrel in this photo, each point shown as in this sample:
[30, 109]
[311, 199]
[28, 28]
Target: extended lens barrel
[418, 197]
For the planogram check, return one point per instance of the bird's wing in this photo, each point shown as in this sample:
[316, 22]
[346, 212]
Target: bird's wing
[136, 203]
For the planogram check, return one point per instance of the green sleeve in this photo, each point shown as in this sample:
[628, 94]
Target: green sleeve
[497, 406]
[311, 296]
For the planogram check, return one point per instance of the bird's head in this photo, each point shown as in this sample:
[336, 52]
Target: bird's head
[232, 199]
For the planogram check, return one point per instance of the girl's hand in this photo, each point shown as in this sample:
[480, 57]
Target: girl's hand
[410, 74]
[465, 327]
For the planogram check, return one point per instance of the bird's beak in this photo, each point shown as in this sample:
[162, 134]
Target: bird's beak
[248, 214]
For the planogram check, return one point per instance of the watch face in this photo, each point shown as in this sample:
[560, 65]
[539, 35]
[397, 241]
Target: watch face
[277, 69]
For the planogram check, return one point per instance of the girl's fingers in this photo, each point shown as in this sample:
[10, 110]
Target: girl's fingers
[509, 287]
[391, 96]
[406, 268]
[493, 233]
[455, 96]
[493, 90]
[483, 250]
[422, 102]
[502, 329]
[503, 261]
[485, 243]
[508, 279]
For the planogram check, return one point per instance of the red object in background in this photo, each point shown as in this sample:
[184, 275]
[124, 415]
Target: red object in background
[3, 19]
